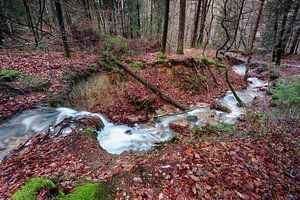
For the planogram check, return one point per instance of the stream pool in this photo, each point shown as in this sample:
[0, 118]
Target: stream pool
[115, 138]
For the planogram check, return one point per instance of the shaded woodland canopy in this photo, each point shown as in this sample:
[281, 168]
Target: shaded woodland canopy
[224, 24]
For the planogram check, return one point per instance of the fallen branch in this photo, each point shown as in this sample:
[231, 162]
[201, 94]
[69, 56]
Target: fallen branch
[153, 88]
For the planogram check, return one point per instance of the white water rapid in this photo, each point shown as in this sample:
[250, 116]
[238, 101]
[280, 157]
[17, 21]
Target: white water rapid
[116, 139]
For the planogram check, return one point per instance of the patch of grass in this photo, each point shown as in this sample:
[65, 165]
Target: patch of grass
[288, 94]
[30, 190]
[160, 55]
[135, 65]
[9, 75]
[220, 128]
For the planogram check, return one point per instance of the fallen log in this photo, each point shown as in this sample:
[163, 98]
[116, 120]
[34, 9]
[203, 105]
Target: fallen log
[153, 88]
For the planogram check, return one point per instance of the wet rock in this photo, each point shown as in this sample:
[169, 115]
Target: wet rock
[192, 118]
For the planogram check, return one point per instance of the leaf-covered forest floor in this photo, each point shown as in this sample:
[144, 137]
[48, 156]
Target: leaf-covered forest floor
[258, 159]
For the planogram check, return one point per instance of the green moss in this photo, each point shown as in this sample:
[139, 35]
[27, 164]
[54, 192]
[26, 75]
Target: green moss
[90, 133]
[220, 128]
[92, 67]
[208, 62]
[8, 74]
[88, 191]
[116, 46]
[135, 65]
[29, 191]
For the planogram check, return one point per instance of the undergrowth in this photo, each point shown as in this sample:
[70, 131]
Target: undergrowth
[287, 95]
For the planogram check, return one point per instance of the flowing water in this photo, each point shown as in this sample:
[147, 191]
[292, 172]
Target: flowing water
[116, 139]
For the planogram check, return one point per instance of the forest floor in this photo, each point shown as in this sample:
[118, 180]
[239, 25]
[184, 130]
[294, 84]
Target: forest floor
[258, 159]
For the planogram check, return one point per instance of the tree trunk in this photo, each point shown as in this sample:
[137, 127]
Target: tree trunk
[295, 40]
[279, 48]
[153, 88]
[202, 23]
[288, 32]
[209, 28]
[237, 25]
[181, 27]
[62, 28]
[138, 19]
[196, 24]
[224, 19]
[87, 8]
[166, 23]
[253, 38]
[30, 22]
[275, 29]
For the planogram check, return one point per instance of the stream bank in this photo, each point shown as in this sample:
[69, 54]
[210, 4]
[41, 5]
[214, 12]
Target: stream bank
[116, 139]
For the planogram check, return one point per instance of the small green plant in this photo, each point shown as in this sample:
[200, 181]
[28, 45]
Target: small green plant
[92, 67]
[29, 191]
[220, 128]
[135, 65]
[160, 55]
[288, 94]
[9, 75]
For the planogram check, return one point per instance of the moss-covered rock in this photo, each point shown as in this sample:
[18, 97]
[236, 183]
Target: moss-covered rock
[90, 133]
[87, 191]
[9, 75]
[30, 190]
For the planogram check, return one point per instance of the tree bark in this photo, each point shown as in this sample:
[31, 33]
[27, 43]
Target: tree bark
[205, 4]
[196, 24]
[209, 28]
[30, 22]
[237, 25]
[253, 38]
[181, 27]
[295, 41]
[279, 47]
[288, 32]
[62, 28]
[224, 19]
[275, 29]
[166, 23]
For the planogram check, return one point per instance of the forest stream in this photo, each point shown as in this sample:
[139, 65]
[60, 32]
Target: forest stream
[115, 138]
